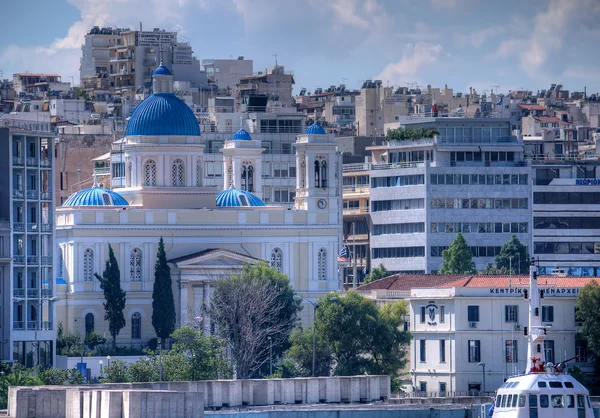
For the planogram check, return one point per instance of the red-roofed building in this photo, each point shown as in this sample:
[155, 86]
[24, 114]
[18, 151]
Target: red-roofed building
[460, 322]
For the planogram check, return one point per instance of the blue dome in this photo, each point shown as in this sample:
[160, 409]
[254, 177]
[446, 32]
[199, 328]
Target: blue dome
[242, 135]
[315, 129]
[162, 70]
[237, 198]
[96, 196]
[162, 114]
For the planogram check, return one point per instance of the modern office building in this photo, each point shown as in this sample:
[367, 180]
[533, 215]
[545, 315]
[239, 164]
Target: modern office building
[27, 204]
[471, 178]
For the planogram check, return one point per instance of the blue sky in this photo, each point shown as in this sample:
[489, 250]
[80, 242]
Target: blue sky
[512, 44]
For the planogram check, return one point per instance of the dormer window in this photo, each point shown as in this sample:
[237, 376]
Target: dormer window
[243, 200]
[106, 200]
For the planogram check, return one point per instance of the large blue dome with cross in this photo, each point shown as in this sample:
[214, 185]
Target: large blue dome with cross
[163, 113]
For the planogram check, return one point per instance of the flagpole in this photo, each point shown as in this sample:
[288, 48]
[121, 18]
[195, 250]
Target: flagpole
[354, 270]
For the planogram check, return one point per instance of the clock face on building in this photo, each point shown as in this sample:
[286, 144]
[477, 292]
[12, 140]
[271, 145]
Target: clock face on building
[322, 203]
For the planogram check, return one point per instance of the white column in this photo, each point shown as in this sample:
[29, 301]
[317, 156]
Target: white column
[198, 301]
[183, 296]
[206, 319]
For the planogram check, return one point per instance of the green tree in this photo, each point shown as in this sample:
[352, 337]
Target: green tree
[115, 372]
[146, 369]
[250, 308]
[458, 258]
[17, 377]
[61, 377]
[363, 338]
[163, 303]
[513, 258]
[110, 283]
[68, 343]
[301, 352]
[195, 356]
[588, 309]
[376, 273]
[578, 374]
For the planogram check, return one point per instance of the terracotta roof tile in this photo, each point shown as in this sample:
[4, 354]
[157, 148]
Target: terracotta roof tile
[527, 106]
[410, 281]
[520, 280]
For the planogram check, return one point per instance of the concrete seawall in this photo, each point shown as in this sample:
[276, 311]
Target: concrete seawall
[189, 399]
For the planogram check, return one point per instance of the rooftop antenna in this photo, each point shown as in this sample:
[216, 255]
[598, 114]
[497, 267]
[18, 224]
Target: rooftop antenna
[275, 55]
[344, 79]
[496, 87]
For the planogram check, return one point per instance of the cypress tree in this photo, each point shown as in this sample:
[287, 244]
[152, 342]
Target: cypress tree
[163, 303]
[114, 296]
[458, 258]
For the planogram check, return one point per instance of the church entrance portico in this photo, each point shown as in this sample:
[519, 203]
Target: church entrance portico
[195, 275]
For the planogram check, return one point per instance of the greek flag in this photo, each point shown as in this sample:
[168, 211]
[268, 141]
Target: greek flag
[500, 101]
[343, 252]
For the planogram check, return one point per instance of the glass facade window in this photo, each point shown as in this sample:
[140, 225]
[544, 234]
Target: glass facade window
[398, 252]
[564, 222]
[401, 204]
[406, 228]
[473, 313]
[477, 203]
[478, 179]
[588, 247]
[474, 351]
[436, 251]
[397, 181]
[479, 227]
[566, 198]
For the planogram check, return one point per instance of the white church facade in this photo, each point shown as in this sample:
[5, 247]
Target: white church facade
[208, 233]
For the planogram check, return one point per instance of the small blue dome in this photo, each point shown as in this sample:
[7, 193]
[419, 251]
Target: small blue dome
[237, 198]
[162, 114]
[96, 196]
[60, 280]
[315, 129]
[242, 135]
[162, 70]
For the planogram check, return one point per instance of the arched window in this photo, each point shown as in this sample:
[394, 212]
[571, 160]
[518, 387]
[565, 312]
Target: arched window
[150, 173]
[61, 262]
[248, 178]
[136, 326]
[89, 323]
[106, 199]
[198, 173]
[135, 265]
[322, 264]
[324, 174]
[88, 265]
[277, 259]
[303, 174]
[177, 173]
[317, 177]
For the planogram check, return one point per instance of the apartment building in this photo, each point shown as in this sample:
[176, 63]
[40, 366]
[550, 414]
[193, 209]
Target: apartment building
[27, 204]
[472, 178]
[27, 82]
[227, 73]
[274, 83]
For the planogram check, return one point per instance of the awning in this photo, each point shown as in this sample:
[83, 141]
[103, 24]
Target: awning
[103, 157]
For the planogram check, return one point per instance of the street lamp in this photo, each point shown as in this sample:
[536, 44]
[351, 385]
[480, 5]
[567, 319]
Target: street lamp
[482, 374]
[270, 356]
[314, 347]
[101, 363]
[38, 305]
[160, 369]
[107, 361]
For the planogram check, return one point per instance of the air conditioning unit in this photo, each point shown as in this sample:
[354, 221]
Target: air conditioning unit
[472, 324]
[517, 327]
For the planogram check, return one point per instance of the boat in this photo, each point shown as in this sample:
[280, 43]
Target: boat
[545, 390]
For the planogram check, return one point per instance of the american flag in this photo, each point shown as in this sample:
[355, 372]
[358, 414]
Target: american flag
[343, 254]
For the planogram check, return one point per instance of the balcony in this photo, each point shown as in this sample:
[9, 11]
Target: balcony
[18, 227]
[350, 168]
[496, 140]
[32, 162]
[45, 162]
[101, 171]
[46, 227]
[32, 259]
[45, 196]
[32, 194]
[18, 325]
[32, 227]
[46, 293]
[19, 259]
[18, 194]
[355, 211]
[46, 260]
[33, 293]
[19, 293]
[46, 326]
[18, 161]
[390, 166]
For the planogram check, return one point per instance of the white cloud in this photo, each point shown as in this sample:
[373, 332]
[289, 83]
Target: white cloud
[550, 29]
[412, 62]
[367, 15]
[446, 4]
[476, 39]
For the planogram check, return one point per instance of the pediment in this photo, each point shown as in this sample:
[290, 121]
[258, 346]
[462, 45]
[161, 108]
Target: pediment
[214, 258]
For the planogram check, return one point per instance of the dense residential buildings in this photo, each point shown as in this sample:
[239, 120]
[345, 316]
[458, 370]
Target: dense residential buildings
[210, 229]
[274, 83]
[459, 324]
[27, 209]
[226, 74]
